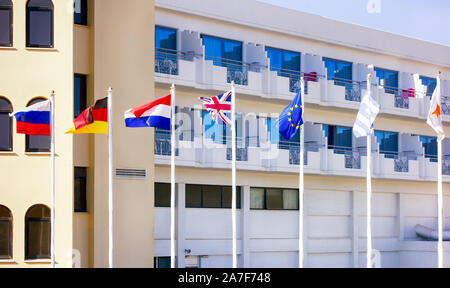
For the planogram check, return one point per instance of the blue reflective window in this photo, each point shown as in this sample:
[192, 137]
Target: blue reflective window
[388, 143]
[390, 79]
[283, 61]
[340, 71]
[339, 138]
[223, 52]
[221, 133]
[430, 83]
[80, 12]
[166, 50]
[430, 146]
[165, 38]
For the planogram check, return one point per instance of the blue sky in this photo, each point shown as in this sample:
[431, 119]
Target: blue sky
[423, 19]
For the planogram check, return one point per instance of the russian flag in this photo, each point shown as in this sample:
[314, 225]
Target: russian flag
[35, 119]
[153, 114]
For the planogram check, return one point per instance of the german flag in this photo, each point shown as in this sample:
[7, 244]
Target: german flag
[93, 120]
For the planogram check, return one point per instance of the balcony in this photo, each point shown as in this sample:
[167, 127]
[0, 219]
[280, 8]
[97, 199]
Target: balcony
[166, 61]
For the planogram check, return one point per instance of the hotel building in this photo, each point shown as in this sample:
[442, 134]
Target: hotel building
[141, 47]
[201, 46]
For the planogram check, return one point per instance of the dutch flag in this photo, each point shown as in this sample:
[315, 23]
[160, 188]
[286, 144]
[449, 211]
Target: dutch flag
[153, 114]
[35, 119]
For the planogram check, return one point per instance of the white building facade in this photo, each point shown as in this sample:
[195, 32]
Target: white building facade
[201, 46]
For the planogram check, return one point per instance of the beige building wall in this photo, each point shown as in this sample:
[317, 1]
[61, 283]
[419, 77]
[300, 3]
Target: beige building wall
[123, 53]
[27, 73]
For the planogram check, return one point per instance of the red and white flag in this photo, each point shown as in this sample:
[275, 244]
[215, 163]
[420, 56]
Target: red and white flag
[434, 115]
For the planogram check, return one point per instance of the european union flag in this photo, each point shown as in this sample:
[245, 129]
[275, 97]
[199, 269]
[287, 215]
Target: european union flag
[291, 118]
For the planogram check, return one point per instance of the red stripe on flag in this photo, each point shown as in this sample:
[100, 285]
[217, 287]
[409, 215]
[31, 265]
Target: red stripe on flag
[139, 110]
[33, 129]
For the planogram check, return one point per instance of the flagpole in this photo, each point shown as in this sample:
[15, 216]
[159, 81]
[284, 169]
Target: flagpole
[172, 177]
[369, 188]
[110, 186]
[440, 197]
[52, 148]
[301, 182]
[233, 171]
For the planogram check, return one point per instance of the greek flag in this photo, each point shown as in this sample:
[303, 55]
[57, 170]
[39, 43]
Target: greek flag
[366, 116]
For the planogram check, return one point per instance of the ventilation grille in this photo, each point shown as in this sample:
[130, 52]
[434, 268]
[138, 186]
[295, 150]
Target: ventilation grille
[126, 173]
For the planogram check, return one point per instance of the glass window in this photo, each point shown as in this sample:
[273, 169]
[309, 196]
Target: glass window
[37, 232]
[5, 233]
[430, 83]
[430, 146]
[389, 78]
[40, 23]
[214, 131]
[165, 38]
[211, 196]
[193, 196]
[337, 70]
[5, 125]
[223, 52]
[80, 189]
[388, 143]
[339, 138]
[162, 262]
[37, 143]
[162, 194]
[80, 12]
[257, 198]
[6, 23]
[80, 94]
[273, 199]
[287, 63]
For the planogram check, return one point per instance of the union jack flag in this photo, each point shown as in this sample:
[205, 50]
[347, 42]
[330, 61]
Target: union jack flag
[219, 107]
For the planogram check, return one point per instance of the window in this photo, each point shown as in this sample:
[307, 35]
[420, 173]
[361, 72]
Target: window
[430, 83]
[80, 94]
[225, 53]
[80, 12]
[211, 196]
[339, 138]
[161, 262]
[162, 194]
[166, 50]
[5, 125]
[6, 23]
[388, 79]
[40, 23]
[273, 199]
[287, 63]
[221, 133]
[80, 189]
[37, 143]
[388, 143]
[340, 71]
[5, 233]
[37, 232]
[430, 146]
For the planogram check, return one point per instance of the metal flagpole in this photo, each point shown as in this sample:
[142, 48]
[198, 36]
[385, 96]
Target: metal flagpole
[172, 177]
[440, 200]
[233, 172]
[301, 182]
[110, 204]
[369, 187]
[52, 148]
